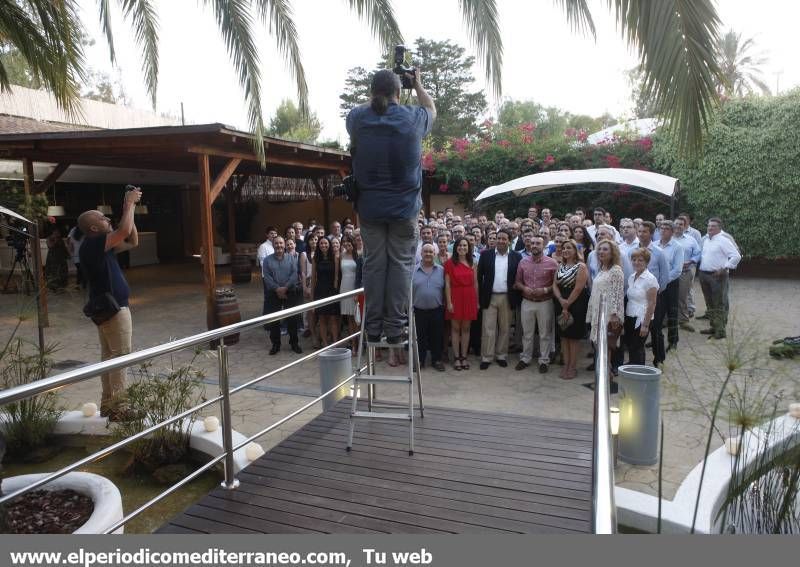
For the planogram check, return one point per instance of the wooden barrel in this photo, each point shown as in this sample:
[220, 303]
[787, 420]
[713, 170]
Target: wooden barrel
[227, 312]
[241, 269]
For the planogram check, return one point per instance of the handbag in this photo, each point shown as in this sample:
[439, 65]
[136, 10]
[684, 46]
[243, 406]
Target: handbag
[565, 320]
[102, 308]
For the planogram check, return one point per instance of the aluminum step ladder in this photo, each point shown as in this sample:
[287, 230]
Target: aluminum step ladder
[403, 411]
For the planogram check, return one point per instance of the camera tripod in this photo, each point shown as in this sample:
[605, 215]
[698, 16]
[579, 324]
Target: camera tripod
[21, 259]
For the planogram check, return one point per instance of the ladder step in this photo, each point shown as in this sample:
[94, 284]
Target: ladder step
[380, 415]
[381, 379]
[383, 344]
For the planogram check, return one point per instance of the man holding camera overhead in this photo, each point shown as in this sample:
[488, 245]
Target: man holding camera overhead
[386, 145]
[108, 293]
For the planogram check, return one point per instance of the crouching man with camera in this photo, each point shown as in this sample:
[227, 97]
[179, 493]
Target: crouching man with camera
[108, 294]
[386, 145]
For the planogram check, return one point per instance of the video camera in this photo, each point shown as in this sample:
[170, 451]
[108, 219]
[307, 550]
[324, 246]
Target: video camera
[19, 242]
[401, 69]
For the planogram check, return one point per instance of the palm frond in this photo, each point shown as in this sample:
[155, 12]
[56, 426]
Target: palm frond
[277, 14]
[676, 42]
[235, 23]
[105, 23]
[379, 14]
[483, 26]
[145, 25]
[48, 37]
[578, 15]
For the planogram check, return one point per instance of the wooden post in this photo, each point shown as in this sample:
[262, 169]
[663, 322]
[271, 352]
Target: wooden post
[41, 288]
[326, 204]
[207, 239]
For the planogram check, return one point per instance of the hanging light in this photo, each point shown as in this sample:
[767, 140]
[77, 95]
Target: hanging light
[103, 208]
[55, 210]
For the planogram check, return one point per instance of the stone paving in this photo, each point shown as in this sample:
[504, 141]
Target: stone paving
[167, 302]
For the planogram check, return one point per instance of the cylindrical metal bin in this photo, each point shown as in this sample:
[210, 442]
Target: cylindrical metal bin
[334, 366]
[640, 416]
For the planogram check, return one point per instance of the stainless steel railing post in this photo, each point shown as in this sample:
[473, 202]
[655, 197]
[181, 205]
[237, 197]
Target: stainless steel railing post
[230, 482]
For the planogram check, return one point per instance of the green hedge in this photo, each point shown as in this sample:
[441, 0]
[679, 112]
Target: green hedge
[748, 174]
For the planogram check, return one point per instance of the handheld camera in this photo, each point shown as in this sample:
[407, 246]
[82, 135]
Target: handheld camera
[401, 69]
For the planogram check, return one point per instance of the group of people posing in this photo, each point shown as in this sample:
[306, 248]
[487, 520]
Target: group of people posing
[529, 285]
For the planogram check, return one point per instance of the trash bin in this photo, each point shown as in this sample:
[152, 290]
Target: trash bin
[334, 366]
[639, 414]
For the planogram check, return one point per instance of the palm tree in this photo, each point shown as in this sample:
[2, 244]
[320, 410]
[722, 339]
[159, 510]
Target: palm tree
[675, 41]
[740, 69]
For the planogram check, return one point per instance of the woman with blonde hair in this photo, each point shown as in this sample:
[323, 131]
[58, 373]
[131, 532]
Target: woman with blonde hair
[571, 294]
[642, 294]
[610, 284]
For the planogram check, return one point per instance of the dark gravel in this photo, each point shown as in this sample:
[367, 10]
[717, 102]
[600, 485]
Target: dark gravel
[48, 512]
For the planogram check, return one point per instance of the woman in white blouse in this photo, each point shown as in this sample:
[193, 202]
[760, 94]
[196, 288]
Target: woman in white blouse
[642, 292]
[610, 284]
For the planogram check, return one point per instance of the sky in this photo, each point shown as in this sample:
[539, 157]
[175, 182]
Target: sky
[544, 60]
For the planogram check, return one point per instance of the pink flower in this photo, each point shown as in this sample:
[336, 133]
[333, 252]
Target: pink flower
[51, 220]
[582, 135]
[504, 143]
[465, 185]
[460, 144]
[570, 133]
[531, 160]
[527, 127]
[613, 161]
[549, 160]
[646, 144]
[443, 187]
[527, 139]
[428, 163]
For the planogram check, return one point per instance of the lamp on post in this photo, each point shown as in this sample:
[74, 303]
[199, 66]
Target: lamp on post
[614, 421]
[55, 210]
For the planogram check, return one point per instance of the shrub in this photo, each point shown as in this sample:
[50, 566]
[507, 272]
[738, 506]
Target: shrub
[748, 173]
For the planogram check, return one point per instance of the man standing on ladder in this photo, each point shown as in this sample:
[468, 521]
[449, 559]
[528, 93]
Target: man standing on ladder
[386, 147]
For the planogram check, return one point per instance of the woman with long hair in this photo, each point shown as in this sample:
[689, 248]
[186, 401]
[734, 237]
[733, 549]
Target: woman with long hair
[609, 283]
[461, 293]
[350, 265]
[582, 240]
[442, 255]
[324, 277]
[571, 294]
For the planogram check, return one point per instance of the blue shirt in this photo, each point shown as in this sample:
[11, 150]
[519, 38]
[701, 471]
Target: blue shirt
[387, 153]
[428, 287]
[102, 271]
[594, 266]
[673, 252]
[658, 266]
[279, 272]
[691, 249]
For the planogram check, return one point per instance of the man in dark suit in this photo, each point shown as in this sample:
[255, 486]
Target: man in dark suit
[497, 270]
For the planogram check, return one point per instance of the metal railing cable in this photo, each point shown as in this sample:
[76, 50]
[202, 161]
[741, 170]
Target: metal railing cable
[604, 509]
[59, 381]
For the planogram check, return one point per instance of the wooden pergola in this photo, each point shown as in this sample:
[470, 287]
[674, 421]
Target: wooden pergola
[214, 151]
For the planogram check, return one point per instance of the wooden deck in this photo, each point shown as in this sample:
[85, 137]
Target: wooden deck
[472, 472]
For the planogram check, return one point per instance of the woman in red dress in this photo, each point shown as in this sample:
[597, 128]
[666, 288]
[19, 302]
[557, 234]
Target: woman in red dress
[461, 293]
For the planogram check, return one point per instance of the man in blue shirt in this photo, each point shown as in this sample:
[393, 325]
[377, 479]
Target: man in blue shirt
[674, 255]
[386, 145]
[659, 267]
[691, 257]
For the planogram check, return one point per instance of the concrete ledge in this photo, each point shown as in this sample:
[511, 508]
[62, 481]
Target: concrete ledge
[639, 510]
[104, 494]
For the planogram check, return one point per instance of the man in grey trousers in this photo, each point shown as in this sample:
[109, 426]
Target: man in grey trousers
[386, 145]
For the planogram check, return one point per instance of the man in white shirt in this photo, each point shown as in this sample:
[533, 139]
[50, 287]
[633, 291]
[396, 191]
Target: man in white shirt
[630, 242]
[266, 248]
[718, 256]
[425, 237]
[600, 220]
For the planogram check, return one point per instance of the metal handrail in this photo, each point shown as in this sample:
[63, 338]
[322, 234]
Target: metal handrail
[67, 378]
[91, 370]
[604, 509]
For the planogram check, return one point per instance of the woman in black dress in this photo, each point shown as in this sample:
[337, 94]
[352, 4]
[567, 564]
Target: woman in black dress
[572, 298]
[324, 278]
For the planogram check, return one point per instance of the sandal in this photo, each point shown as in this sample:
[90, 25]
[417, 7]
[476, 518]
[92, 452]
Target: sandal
[457, 363]
[464, 363]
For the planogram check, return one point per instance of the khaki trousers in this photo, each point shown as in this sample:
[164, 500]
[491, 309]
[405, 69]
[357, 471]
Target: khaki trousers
[541, 314]
[115, 340]
[494, 344]
[684, 287]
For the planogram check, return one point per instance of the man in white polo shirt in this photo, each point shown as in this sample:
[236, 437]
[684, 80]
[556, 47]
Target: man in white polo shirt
[718, 256]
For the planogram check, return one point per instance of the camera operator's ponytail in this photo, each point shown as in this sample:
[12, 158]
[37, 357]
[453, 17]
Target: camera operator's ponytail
[385, 84]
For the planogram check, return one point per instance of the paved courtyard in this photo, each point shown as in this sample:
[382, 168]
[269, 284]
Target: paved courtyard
[167, 302]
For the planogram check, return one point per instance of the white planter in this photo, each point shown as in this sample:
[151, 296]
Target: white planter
[104, 494]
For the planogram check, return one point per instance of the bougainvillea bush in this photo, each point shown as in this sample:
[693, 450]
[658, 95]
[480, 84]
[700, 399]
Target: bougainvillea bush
[468, 166]
[748, 173]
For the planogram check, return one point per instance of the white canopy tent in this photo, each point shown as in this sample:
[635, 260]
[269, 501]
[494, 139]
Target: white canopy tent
[538, 182]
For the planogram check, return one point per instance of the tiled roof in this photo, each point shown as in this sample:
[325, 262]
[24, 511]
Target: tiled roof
[19, 125]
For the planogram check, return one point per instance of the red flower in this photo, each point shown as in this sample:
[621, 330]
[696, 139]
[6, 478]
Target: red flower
[613, 161]
[531, 160]
[582, 135]
[527, 139]
[465, 185]
[428, 163]
[549, 160]
[460, 144]
[646, 144]
[504, 143]
[527, 127]
[443, 187]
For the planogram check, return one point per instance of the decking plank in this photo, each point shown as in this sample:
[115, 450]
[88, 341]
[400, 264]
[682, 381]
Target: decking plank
[472, 472]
